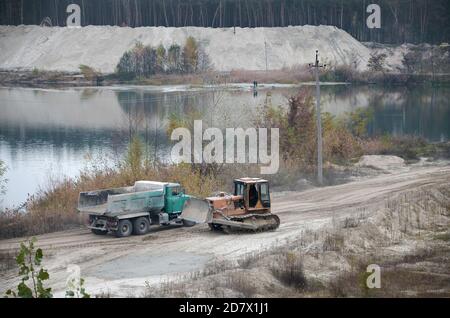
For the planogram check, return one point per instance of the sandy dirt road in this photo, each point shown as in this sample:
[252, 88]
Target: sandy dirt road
[122, 266]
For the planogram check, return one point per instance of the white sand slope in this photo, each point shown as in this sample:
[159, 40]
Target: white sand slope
[64, 49]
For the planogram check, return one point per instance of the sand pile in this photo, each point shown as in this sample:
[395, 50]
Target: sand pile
[64, 49]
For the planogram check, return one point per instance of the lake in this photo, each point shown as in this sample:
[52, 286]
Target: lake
[46, 134]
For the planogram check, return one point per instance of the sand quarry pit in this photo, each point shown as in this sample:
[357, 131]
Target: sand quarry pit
[123, 267]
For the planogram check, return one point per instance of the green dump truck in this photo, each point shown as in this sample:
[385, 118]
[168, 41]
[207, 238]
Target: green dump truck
[132, 210]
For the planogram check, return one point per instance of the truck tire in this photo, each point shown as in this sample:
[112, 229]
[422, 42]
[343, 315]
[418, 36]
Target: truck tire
[99, 232]
[187, 223]
[124, 229]
[140, 226]
[215, 227]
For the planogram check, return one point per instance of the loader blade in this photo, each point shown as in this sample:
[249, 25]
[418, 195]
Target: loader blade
[195, 211]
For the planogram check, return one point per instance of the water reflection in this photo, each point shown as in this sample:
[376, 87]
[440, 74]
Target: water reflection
[50, 132]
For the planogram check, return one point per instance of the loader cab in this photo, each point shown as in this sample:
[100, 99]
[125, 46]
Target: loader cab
[255, 193]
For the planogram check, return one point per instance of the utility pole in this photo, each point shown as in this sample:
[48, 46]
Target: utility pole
[317, 67]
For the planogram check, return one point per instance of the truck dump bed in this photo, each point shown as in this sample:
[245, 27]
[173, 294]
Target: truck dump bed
[144, 196]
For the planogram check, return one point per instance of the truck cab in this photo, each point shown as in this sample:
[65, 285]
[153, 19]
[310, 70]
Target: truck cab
[174, 198]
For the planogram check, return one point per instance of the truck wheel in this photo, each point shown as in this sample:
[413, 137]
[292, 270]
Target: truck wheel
[99, 232]
[187, 223]
[215, 227]
[140, 226]
[125, 228]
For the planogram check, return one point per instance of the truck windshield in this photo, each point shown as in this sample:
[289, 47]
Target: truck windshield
[176, 191]
[265, 192]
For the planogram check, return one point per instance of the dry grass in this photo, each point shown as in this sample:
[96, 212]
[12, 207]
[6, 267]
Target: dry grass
[54, 208]
[292, 75]
[344, 285]
[412, 283]
[7, 260]
[409, 148]
[332, 262]
[421, 272]
[174, 79]
[240, 282]
[288, 269]
[443, 237]
[250, 259]
[351, 222]
[333, 242]
[405, 277]
[104, 294]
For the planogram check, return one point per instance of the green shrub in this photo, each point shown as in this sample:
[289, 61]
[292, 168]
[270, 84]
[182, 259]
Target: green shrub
[174, 59]
[358, 121]
[190, 56]
[139, 62]
[77, 289]
[88, 72]
[33, 275]
[135, 155]
[161, 59]
[298, 132]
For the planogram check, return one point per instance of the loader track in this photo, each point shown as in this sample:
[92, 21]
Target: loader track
[263, 223]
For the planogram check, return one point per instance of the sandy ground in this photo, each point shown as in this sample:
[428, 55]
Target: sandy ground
[121, 267]
[100, 47]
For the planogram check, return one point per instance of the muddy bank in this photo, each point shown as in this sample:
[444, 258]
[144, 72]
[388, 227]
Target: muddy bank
[43, 79]
[56, 79]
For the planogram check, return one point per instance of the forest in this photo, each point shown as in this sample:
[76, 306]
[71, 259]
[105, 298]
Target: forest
[414, 21]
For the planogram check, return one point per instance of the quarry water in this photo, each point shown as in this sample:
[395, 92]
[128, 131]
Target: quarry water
[48, 134]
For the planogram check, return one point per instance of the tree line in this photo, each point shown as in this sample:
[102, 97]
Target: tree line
[402, 20]
[143, 61]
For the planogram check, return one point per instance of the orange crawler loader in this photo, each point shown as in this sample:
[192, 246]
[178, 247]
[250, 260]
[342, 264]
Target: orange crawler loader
[248, 208]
